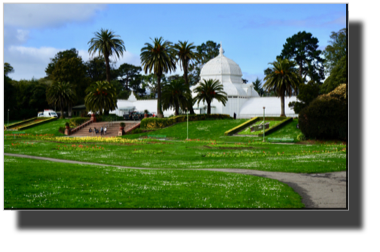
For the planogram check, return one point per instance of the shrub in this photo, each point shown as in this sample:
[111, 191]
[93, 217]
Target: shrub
[67, 124]
[326, 117]
[301, 137]
[62, 129]
[76, 121]
[122, 124]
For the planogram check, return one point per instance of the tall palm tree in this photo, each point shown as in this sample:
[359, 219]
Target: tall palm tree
[283, 79]
[101, 96]
[107, 44]
[175, 95]
[158, 58]
[185, 53]
[61, 94]
[208, 90]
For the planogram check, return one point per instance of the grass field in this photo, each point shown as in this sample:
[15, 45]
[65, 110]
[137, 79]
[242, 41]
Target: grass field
[42, 184]
[30, 183]
[247, 131]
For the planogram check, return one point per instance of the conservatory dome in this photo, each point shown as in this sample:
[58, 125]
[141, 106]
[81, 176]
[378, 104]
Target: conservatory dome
[223, 69]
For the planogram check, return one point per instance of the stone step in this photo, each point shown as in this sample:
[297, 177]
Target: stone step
[112, 129]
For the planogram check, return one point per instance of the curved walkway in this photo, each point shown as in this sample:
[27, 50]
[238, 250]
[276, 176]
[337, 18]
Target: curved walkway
[318, 190]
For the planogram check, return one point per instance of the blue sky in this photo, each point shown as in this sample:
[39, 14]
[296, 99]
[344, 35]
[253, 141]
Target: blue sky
[251, 34]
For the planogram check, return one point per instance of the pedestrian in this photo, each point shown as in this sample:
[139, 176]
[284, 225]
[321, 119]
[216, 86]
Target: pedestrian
[90, 130]
[234, 115]
[101, 130]
[105, 130]
[95, 130]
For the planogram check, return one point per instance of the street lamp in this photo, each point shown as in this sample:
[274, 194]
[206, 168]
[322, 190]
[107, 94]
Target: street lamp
[187, 112]
[264, 125]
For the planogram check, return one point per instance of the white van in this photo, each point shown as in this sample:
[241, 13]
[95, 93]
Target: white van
[47, 113]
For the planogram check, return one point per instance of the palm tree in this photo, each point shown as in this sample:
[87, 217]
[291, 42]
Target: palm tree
[282, 79]
[101, 96]
[158, 58]
[61, 94]
[175, 95]
[185, 53]
[106, 43]
[207, 90]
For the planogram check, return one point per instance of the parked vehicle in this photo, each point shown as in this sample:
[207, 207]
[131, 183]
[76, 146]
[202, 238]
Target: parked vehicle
[47, 113]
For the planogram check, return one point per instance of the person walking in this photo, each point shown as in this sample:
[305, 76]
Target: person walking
[101, 130]
[105, 130]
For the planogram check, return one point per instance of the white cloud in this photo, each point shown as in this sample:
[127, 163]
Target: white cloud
[15, 36]
[48, 15]
[29, 62]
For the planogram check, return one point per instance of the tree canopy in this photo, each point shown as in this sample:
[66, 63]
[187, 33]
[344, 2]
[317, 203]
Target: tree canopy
[336, 50]
[158, 58]
[8, 69]
[283, 79]
[175, 94]
[101, 96]
[205, 52]
[303, 49]
[61, 94]
[208, 90]
[106, 44]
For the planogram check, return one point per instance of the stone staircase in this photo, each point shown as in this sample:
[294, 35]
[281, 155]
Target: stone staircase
[112, 128]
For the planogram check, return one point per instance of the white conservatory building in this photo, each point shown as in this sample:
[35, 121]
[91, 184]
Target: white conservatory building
[242, 98]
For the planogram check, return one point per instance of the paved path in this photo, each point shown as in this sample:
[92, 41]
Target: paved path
[318, 190]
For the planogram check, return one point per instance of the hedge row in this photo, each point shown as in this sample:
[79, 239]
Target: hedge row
[37, 123]
[154, 123]
[241, 126]
[76, 121]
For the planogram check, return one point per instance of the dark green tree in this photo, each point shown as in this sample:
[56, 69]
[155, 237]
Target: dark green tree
[68, 54]
[175, 95]
[186, 54]
[106, 44]
[257, 86]
[307, 93]
[303, 49]
[158, 58]
[131, 78]
[336, 50]
[283, 80]
[101, 96]
[207, 91]
[8, 69]
[61, 94]
[96, 69]
[205, 52]
[337, 76]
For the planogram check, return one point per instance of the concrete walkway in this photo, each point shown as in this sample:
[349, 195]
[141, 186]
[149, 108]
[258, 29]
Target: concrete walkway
[318, 190]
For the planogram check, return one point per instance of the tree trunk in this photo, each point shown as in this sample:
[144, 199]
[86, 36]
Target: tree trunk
[190, 101]
[159, 112]
[208, 108]
[176, 110]
[107, 67]
[282, 105]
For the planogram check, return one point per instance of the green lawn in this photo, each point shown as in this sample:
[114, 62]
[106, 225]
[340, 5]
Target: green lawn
[32, 183]
[247, 131]
[48, 128]
[288, 131]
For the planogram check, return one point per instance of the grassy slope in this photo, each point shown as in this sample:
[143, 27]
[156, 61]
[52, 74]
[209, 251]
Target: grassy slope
[48, 128]
[247, 131]
[32, 183]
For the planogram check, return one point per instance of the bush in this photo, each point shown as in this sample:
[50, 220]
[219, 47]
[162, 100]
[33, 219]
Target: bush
[154, 123]
[301, 137]
[76, 121]
[62, 129]
[326, 117]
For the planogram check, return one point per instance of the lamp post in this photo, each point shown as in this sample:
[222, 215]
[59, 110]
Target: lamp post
[187, 112]
[264, 125]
